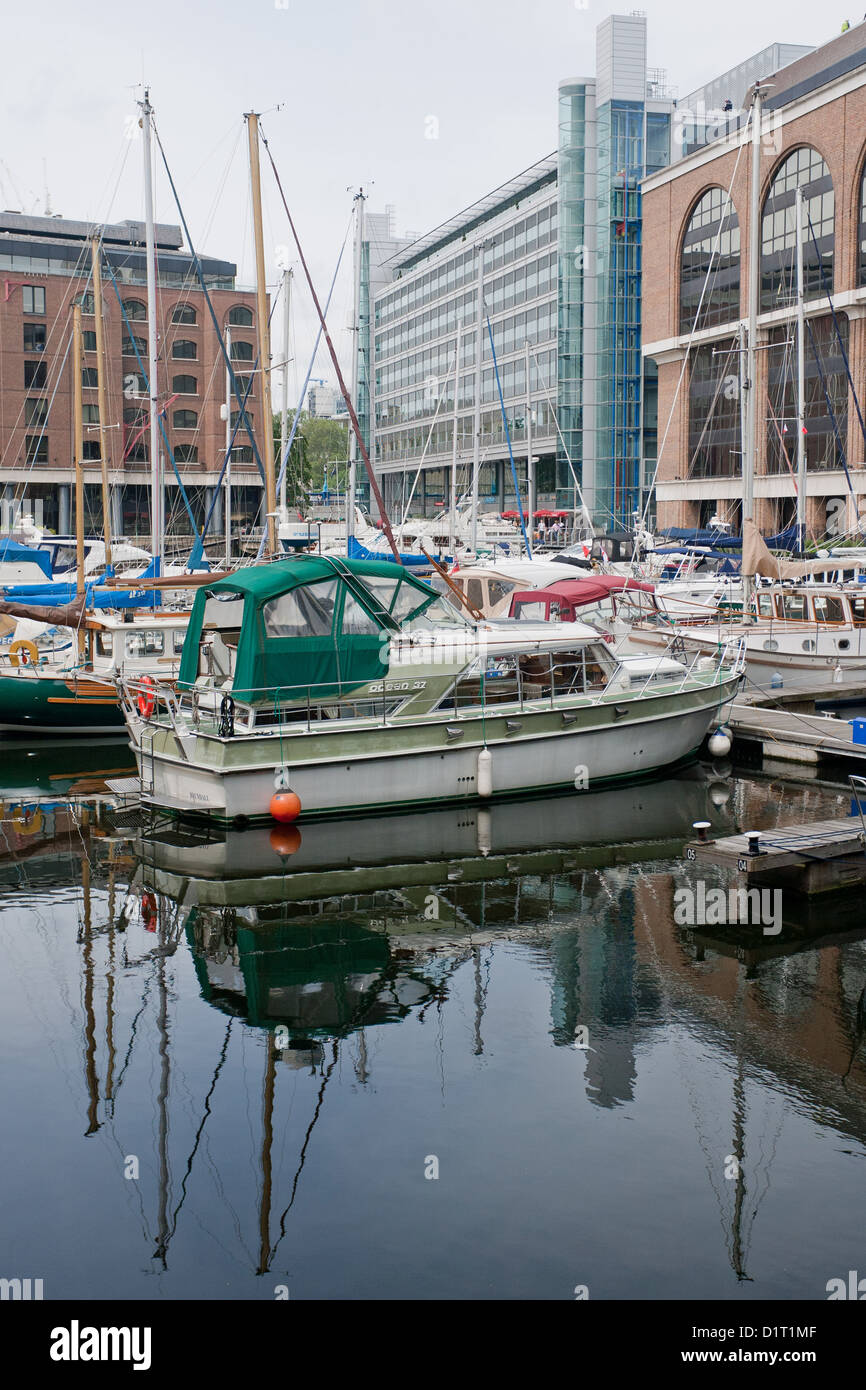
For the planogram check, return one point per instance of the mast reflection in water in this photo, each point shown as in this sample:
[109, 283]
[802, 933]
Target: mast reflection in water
[459, 1054]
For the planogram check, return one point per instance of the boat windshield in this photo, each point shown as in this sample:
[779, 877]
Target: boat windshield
[439, 613]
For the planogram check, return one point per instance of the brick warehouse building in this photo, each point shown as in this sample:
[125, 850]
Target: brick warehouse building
[44, 268]
[814, 136]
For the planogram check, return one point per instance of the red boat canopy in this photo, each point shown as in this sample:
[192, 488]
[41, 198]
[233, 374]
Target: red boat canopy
[581, 592]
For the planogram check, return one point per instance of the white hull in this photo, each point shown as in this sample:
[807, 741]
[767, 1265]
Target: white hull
[830, 665]
[389, 776]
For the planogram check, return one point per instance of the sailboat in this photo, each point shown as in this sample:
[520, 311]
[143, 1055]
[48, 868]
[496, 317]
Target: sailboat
[68, 687]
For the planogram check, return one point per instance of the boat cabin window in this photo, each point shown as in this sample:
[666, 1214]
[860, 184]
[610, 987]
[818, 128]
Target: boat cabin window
[178, 637]
[220, 631]
[508, 679]
[356, 619]
[535, 612]
[304, 612]
[382, 589]
[407, 602]
[139, 644]
[858, 610]
[793, 607]
[475, 593]
[498, 589]
[397, 598]
[64, 557]
[828, 608]
[765, 605]
[634, 605]
[104, 644]
[439, 613]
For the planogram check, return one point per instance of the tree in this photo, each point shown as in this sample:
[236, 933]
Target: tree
[317, 443]
[298, 476]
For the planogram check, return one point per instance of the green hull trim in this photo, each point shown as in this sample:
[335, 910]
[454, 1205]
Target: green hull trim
[45, 704]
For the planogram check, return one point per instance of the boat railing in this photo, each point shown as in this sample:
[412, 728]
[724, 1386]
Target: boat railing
[731, 654]
[529, 682]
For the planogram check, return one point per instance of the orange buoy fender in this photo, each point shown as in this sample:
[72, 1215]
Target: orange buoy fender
[285, 806]
[285, 840]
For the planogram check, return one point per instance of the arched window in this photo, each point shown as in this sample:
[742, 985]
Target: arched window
[825, 403]
[185, 419]
[861, 264]
[186, 453]
[242, 352]
[132, 345]
[242, 453]
[134, 309]
[183, 347]
[241, 316]
[710, 257]
[135, 415]
[184, 313]
[714, 410]
[803, 169]
[184, 385]
[86, 302]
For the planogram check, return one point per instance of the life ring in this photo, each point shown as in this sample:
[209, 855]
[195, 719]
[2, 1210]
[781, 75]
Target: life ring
[146, 701]
[23, 653]
[149, 912]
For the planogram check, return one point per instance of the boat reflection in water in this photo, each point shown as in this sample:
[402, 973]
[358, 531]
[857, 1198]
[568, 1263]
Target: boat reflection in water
[281, 1024]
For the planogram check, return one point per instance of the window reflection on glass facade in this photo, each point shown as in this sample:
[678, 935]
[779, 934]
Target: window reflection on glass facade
[803, 169]
[714, 411]
[619, 368]
[574, 268]
[710, 264]
[825, 400]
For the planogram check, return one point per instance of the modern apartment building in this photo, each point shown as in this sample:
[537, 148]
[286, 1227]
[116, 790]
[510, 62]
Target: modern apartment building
[696, 233]
[45, 266]
[552, 258]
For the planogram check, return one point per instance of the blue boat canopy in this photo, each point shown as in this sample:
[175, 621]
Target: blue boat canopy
[13, 553]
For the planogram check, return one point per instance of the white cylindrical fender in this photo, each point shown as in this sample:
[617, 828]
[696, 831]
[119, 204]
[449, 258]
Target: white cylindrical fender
[484, 775]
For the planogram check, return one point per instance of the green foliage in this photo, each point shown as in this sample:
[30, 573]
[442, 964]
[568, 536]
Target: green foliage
[317, 443]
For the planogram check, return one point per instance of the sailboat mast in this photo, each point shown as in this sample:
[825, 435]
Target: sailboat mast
[750, 403]
[530, 464]
[101, 396]
[156, 497]
[452, 528]
[801, 380]
[78, 447]
[264, 337]
[476, 431]
[284, 413]
[351, 486]
[228, 474]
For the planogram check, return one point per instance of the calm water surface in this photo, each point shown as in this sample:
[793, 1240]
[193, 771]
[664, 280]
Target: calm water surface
[347, 1059]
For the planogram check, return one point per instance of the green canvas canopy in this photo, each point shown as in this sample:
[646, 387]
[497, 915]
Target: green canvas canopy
[314, 626]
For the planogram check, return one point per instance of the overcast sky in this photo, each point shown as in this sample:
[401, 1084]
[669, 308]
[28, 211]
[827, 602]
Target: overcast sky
[356, 82]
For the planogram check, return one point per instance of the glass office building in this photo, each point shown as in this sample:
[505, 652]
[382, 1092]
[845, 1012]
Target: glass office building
[547, 268]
